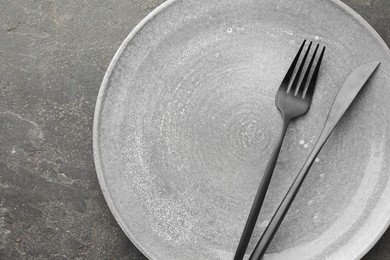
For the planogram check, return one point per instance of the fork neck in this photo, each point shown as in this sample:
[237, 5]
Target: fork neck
[278, 145]
[286, 121]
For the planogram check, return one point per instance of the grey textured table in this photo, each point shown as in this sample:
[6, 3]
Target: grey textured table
[53, 57]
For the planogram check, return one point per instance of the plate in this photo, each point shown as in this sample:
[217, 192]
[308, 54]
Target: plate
[185, 122]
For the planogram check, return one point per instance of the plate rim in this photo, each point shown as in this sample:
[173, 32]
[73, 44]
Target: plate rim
[101, 97]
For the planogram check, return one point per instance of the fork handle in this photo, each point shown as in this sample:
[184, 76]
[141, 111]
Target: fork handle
[284, 206]
[259, 199]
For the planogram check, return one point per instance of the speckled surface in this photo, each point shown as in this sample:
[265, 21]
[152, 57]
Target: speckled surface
[192, 92]
[54, 56]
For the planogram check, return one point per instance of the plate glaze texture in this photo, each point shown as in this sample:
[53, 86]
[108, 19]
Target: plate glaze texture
[186, 120]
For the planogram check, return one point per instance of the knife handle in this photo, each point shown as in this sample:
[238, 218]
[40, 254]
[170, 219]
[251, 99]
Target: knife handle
[284, 206]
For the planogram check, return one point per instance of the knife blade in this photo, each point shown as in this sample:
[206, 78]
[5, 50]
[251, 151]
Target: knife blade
[347, 93]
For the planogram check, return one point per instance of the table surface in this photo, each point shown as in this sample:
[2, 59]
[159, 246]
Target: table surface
[53, 58]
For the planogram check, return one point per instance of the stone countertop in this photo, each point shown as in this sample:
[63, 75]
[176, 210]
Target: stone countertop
[53, 58]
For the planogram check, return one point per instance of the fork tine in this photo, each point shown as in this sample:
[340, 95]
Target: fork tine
[290, 71]
[310, 88]
[304, 80]
[297, 76]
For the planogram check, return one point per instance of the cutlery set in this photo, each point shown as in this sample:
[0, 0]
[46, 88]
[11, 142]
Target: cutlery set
[293, 99]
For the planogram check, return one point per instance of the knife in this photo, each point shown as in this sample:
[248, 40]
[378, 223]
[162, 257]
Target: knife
[344, 98]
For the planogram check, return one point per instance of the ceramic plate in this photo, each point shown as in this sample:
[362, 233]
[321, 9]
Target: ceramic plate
[185, 122]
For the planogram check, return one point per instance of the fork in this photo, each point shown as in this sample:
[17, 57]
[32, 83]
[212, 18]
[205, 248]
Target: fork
[292, 101]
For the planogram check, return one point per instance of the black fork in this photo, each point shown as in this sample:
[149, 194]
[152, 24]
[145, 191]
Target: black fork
[292, 102]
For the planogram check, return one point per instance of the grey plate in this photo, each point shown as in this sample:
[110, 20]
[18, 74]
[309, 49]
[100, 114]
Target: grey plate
[185, 122]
